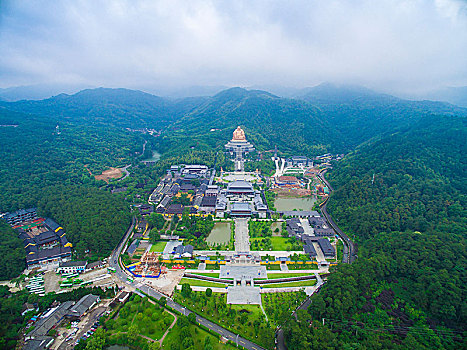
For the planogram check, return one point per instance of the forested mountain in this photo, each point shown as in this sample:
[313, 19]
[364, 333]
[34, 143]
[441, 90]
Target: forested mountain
[49, 168]
[361, 114]
[407, 289]
[268, 120]
[117, 107]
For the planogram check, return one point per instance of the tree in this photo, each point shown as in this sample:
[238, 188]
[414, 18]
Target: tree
[133, 332]
[208, 292]
[207, 343]
[186, 290]
[154, 236]
[154, 345]
[192, 317]
[97, 341]
[156, 220]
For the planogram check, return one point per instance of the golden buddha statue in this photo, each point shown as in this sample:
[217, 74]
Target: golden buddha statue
[238, 135]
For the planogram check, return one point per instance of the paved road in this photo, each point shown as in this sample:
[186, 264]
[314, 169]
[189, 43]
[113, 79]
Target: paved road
[350, 249]
[142, 288]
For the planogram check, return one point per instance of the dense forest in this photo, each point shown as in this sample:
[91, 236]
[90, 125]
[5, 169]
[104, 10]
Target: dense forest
[94, 220]
[11, 249]
[407, 289]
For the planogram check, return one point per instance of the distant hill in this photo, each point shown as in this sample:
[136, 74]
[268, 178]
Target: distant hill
[38, 91]
[454, 95]
[361, 114]
[122, 107]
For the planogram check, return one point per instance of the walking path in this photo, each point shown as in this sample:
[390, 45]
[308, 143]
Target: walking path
[168, 329]
[242, 239]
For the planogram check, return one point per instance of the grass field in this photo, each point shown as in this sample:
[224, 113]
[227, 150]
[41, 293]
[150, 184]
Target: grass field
[158, 246]
[302, 266]
[208, 274]
[271, 243]
[290, 284]
[273, 267]
[201, 283]
[286, 274]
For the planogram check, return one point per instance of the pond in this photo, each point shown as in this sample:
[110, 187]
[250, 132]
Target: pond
[155, 157]
[290, 203]
[220, 234]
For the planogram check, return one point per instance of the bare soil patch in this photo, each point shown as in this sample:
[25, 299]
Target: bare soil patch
[292, 192]
[111, 173]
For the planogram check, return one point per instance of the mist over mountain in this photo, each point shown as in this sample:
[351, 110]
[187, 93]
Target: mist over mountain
[323, 118]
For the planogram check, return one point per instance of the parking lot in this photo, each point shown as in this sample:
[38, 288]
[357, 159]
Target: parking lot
[83, 329]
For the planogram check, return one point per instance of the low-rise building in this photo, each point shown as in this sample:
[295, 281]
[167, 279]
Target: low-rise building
[44, 241]
[184, 251]
[83, 305]
[240, 187]
[240, 209]
[95, 265]
[72, 267]
[20, 216]
[327, 248]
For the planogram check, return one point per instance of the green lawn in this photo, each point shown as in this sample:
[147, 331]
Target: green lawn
[302, 266]
[273, 267]
[286, 275]
[158, 246]
[290, 284]
[201, 283]
[208, 274]
[274, 243]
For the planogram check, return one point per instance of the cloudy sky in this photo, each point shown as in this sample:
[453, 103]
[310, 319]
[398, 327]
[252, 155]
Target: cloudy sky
[390, 45]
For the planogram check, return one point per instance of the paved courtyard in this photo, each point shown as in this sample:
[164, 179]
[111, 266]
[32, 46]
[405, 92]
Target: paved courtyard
[243, 295]
[169, 247]
[242, 272]
[242, 239]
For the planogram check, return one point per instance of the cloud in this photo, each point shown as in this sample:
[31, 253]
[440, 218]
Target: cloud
[388, 44]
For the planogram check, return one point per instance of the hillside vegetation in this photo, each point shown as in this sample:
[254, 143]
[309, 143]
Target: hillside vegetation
[407, 288]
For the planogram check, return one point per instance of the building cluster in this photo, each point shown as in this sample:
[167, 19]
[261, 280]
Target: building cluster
[315, 233]
[240, 199]
[202, 197]
[288, 182]
[44, 240]
[39, 338]
[298, 161]
[189, 181]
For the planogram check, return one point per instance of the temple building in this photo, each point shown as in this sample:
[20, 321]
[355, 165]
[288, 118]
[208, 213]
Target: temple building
[238, 146]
